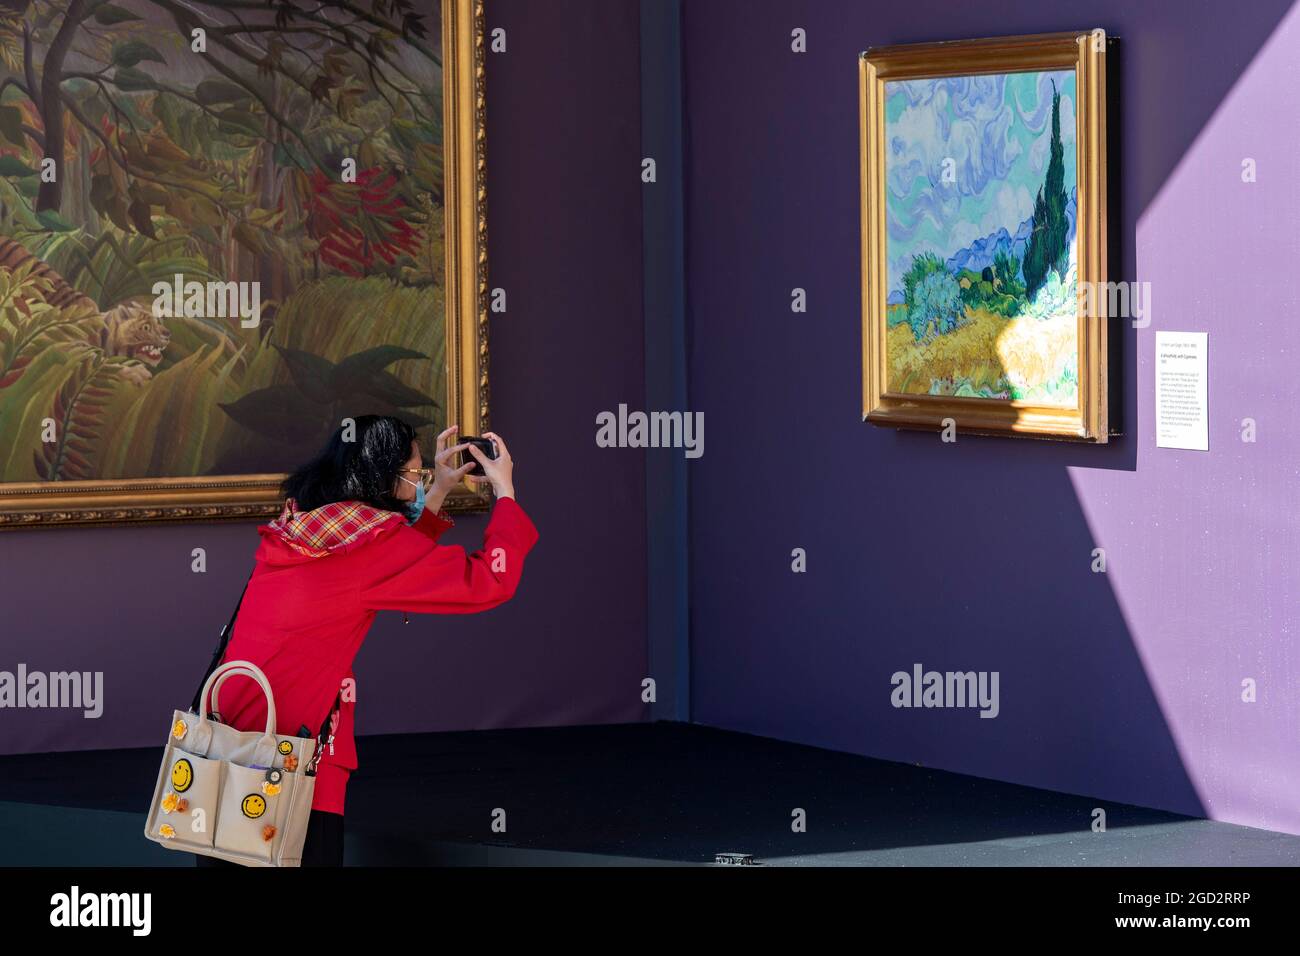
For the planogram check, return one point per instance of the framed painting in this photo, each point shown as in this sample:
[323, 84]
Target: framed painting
[225, 229]
[983, 226]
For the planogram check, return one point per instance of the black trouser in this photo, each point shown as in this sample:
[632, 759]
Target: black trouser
[323, 845]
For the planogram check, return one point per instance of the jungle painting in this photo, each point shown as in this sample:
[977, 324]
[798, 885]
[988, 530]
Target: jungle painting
[221, 231]
[981, 250]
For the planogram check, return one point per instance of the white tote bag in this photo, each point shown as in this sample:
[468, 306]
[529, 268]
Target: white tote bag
[243, 796]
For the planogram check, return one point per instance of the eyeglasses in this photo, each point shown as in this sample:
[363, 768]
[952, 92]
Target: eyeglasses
[426, 475]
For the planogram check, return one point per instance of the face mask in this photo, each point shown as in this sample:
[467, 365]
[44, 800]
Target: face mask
[416, 507]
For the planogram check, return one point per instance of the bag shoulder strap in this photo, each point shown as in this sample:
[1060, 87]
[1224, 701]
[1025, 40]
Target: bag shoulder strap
[223, 639]
[324, 737]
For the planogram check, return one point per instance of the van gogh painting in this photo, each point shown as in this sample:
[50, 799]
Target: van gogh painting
[979, 268]
[224, 229]
[982, 263]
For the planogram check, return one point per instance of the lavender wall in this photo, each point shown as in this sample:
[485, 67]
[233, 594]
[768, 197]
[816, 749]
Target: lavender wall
[976, 556]
[564, 224]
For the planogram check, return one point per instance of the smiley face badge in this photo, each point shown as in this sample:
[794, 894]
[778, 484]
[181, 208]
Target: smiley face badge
[182, 775]
[254, 806]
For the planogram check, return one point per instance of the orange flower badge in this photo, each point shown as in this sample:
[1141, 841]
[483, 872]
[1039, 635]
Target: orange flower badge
[179, 729]
[268, 833]
[291, 763]
[167, 830]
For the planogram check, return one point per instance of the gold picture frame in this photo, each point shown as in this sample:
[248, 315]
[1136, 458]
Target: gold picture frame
[1085, 54]
[253, 496]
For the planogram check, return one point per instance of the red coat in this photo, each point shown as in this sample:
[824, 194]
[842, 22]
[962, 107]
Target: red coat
[318, 582]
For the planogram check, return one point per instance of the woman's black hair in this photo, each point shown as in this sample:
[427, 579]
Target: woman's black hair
[360, 463]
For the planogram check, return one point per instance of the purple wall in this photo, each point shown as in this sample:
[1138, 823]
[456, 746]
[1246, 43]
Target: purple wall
[976, 556]
[565, 242]
[973, 556]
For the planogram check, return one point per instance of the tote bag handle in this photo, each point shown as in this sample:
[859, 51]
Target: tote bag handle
[248, 669]
[215, 695]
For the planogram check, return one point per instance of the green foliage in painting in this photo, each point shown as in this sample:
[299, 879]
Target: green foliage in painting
[996, 288]
[302, 155]
[932, 296]
[1048, 247]
[1006, 271]
[316, 367]
[322, 393]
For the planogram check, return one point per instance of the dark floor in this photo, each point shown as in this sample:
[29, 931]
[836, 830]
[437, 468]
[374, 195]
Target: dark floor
[645, 794]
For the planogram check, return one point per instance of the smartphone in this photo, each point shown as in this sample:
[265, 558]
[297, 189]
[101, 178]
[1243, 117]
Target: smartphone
[485, 445]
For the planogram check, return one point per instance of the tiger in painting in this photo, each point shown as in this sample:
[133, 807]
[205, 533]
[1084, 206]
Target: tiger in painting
[129, 329]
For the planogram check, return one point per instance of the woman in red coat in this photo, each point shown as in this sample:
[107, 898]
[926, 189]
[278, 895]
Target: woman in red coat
[359, 534]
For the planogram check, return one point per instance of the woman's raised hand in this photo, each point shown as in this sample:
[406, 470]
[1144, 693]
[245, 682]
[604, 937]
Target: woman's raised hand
[445, 477]
[500, 471]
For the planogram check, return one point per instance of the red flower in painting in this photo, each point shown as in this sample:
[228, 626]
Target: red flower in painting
[334, 209]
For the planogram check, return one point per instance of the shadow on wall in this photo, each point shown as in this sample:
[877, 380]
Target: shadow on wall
[1011, 588]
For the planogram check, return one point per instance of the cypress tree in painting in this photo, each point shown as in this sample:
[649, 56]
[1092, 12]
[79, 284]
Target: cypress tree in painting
[1047, 248]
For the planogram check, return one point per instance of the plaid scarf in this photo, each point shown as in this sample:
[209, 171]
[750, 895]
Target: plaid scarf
[328, 528]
